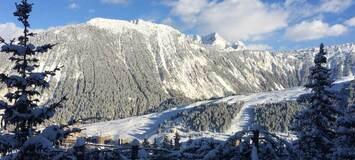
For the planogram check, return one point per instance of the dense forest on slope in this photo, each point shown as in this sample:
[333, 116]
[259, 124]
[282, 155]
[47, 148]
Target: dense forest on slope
[215, 117]
[276, 117]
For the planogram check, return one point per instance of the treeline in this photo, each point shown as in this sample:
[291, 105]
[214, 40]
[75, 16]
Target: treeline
[276, 117]
[206, 117]
[171, 103]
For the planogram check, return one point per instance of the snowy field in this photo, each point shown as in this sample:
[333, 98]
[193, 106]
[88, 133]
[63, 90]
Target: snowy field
[146, 126]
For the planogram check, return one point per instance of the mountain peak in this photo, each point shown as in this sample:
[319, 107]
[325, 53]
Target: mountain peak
[215, 39]
[151, 28]
[238, 45]
[104, 21]
[118, 26]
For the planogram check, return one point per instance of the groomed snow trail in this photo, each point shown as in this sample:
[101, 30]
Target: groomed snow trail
[138, 127]
[245, 117]
[145, 126]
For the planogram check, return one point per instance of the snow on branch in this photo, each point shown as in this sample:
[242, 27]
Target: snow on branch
[7, 142]
[29, 49]
[44, 48]
[56, 133]
[18, 49]
[13, 80]
[37, 79]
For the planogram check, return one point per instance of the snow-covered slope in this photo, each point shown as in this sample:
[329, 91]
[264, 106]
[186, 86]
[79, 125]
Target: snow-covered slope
[121, 26]
[115, 69]
[146, 126]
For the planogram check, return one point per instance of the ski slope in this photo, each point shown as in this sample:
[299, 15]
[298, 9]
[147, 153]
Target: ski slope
[246, 116]
[138, 127]
[145, 126]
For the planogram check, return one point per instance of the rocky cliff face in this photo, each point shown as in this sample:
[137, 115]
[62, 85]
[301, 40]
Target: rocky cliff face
[115, 69]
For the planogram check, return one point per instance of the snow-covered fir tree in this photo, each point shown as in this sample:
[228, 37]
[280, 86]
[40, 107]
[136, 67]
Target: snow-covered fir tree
[254, 143]
[344, 147]
[21, 110]
[315, 124]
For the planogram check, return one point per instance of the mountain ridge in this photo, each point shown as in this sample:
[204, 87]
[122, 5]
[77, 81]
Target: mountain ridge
[120, 70]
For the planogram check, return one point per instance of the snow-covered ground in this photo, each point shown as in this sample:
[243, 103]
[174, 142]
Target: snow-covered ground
[146, 126]
[139, 127]
[246, 115]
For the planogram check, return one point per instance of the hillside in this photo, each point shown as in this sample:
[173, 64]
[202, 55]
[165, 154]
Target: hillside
[115, 69]
[151, 126]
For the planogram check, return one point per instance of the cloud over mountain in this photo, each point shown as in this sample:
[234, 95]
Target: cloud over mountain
[235, 20]
[309, 30]
[254, 20]
[9, 31]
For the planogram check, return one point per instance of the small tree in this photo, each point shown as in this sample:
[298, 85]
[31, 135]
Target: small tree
[344, 147]
[177, 141]
[166, 142]
[22, 110]
[314, 125]
[146, 143]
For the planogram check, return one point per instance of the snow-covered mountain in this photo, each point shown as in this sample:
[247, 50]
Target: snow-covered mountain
[215, 40]
[114, 69]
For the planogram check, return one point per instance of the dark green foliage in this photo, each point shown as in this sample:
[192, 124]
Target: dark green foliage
[171, 103]
[344, 147]
[22, 109]
[276, 117]
[304, 98]
[209, 117]
[315, 125]
[177, 141]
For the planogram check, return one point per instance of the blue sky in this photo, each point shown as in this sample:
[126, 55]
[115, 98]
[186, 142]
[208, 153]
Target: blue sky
[269, 24]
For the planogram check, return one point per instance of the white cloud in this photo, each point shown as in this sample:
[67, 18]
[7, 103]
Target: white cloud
[334, 6]
[188, 7]
[310, 30]
[259, 47]
[233, 19]
[73, 5]
[188, 10]
[299, 9]
[350, 22]
[114, 1]
[250, 19]
[9, 31]
[168, 21]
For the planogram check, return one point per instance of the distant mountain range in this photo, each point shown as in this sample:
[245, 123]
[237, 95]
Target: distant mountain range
[114, 69]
